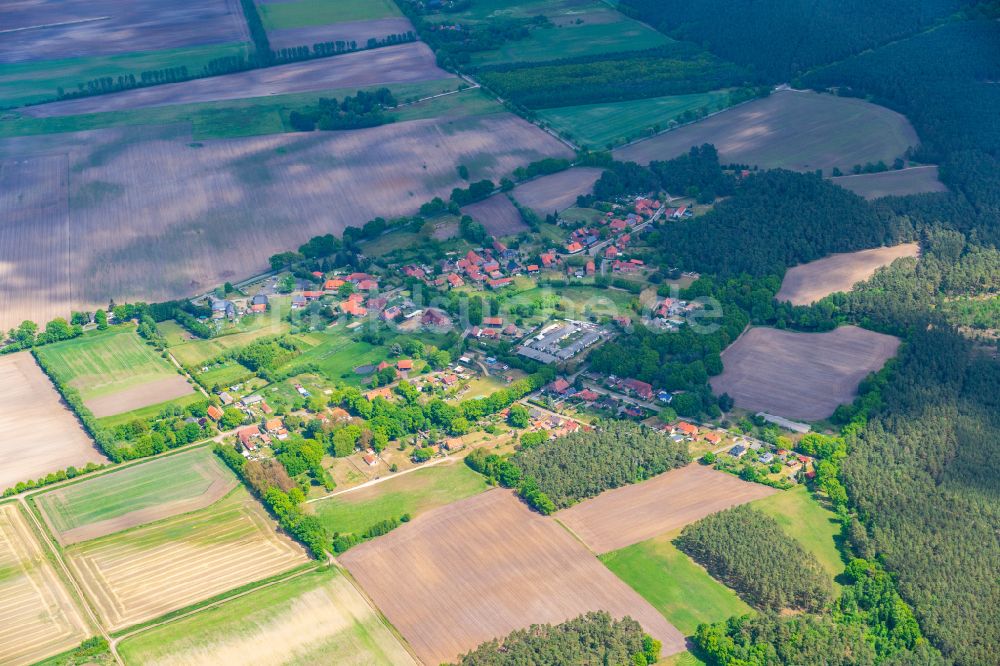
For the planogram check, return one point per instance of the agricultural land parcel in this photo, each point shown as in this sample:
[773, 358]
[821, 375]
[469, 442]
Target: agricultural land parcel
[155, 217]
[142, 573]
[40, 617]
[557, 191]
[810, 282]
[482, 567]
[114, 371]
[801, 376]
[40, 435]
[814, 526]
[137, 495]
[278, 14]
[304, 620]
[802, 131]
[899, 183]
[497, 214]
[393, 64]
[350, 31]
[634, 513]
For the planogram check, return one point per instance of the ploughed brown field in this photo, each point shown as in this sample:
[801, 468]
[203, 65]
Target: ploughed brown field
[358, 31]
[147, 214]
[630, 514]
[893, 183]
[52, 29]
[802, 131]
[136, 397]
[497, 214]
[483, 567]
[801, 376]
[557, 191]
[393, 64]
[40, 435]
[810, 282]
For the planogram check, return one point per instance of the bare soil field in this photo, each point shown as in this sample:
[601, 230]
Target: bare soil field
[914, 180]
[392, 64]
[557, 191]
[40, 435]
[810, 282]
[40, 618]
[140, 574]
[801, 376]
[630, 514]
[802, 131]
[497, 214]
[358, 31]
[145, 214]
[480, 568]
[51, 29]
[152, 393]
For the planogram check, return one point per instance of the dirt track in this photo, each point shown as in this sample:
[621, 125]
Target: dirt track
[630, 514]
[801, 376]
[810, 282]
[480, 568]
[558, 191]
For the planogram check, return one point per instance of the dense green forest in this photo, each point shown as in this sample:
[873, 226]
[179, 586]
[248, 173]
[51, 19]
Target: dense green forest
[782, 37]
[593, 639]
[747, 551]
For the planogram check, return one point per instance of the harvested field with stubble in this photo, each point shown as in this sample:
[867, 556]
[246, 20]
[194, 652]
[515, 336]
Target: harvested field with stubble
[358, 31]
[393, 64]
[136, 495]
[497, 214]
[483, 567]
[630, 514]
[808, 283]
[40, 618]
[790, 129]
[557, 191]
[53, 29]
[903, 182]
[801, 376]
[40, 435]
[142, 573]
[146, 214]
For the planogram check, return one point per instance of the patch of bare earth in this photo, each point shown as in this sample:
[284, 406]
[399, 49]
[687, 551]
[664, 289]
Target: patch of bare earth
[630, 514]
[497, 214]
[483, 567]
[40, 435]
[393, 64]
[811, 282]
[558, 191]
[136, 397]
[903, 182]
[801, 376]
[791, 129]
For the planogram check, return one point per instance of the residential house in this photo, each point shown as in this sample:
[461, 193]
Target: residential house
[214, 413]
[500, 284]
[560, 386]
[455, 280]
[404, 365]
[494, 322]
[641, 389]
[259, 303]
[686, 429]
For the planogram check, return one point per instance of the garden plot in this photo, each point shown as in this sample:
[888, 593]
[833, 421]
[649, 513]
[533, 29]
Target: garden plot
[813, 281]
[558, 191]
[801, 376]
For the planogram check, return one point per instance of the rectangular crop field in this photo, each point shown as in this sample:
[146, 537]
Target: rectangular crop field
[136, 495]
[802, 131]
[298, 13]
[630, 514]
[810, 282]
[596, 126]
[155, 216]
[192, 352]
[393, 64]
[115, 371]
[676, 586]
[40, 435]
[413, 493]
[497, 214]
[557, 191]
[142, 573]
[312, 618]
[39, 616]
[901, 183]
[480, 568]
[349, 31]
[801, 376]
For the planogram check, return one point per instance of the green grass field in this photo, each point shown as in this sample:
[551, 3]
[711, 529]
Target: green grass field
[38, 81]
[305, 620]
[805, 520]
[104, 362]
[150, 411]
[303, 13]
[195, 352]
[577, 301]
[677, 587]
[174, 478]
[412, 493]
[597, 125]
